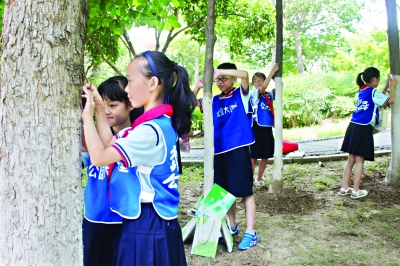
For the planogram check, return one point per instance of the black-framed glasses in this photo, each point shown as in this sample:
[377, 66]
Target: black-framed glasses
[223, 79]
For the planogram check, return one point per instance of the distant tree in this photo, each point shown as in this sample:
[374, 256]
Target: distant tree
[352, 54]
[319, 22]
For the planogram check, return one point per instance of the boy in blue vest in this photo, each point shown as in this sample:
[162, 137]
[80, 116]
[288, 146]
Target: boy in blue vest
[232, 139]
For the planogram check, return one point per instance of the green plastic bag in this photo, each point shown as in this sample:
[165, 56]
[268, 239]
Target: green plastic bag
[217, 203]
[210, 212]
[206, 236]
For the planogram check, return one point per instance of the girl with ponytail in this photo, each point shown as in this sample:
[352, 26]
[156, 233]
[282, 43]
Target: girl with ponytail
[358, 140]
[148, 200]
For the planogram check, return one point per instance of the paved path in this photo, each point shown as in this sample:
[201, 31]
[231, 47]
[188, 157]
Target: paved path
[318, 147]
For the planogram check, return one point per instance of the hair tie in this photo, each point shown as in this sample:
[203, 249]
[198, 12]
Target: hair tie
[152, 66]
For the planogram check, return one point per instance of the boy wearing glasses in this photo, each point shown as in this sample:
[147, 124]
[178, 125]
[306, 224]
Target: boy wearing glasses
[232, 139]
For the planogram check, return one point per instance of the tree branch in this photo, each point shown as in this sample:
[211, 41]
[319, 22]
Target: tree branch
[128, 41]
[103, 57]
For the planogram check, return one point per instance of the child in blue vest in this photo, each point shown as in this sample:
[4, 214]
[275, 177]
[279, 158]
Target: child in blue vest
[358, 140]
[232, 139]
[263, 121]
[144, 183]
[101, 228]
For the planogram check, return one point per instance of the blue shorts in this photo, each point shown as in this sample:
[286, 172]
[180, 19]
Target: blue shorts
[233, 172]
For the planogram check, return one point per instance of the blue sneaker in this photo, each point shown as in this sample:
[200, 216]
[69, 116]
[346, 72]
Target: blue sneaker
[235, 231]
[248, 241]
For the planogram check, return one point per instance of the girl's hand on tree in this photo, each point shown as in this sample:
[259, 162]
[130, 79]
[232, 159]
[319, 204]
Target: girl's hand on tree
[199, 83]
[392, 83]
[96, 96]
[88, 110]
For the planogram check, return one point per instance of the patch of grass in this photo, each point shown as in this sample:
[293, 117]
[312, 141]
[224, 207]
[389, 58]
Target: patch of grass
[337, 127]
[192, 173]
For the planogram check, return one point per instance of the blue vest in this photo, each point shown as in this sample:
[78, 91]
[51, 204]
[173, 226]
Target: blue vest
[232, 125]
[263, 113]
[97, 205]
[365, 108]
[126, 185]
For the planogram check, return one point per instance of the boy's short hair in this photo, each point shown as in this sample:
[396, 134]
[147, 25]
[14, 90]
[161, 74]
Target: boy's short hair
[258, 74]
[227, 66]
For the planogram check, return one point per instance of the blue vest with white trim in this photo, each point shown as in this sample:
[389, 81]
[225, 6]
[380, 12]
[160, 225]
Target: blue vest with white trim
[365, 108]
[97, 205]
[263, 113]
[126, 190]
[232, 125]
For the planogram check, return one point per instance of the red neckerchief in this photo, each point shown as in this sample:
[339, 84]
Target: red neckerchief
[364, 87]
[269, 102]
[155, 112]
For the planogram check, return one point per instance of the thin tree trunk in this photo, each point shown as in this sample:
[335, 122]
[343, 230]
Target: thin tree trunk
[196, 68]
[299, 52]
[276, 184]
[393, 175]
[208, 82]
[42, 74]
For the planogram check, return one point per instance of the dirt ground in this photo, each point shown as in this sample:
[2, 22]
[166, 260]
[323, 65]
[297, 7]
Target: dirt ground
[310, 224]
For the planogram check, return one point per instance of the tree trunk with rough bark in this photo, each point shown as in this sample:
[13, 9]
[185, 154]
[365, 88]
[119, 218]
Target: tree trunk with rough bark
[276, 184]
[42, 74]
[393, 175]
[208, 82]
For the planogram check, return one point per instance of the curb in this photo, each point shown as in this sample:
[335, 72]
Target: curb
[308, 159]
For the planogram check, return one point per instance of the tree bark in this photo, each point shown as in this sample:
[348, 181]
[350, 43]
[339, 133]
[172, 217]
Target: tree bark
[276, 184]
[208, 82]
[393, 175]
[42, 73]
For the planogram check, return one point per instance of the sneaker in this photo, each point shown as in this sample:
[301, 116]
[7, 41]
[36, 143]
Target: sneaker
[235, 231]
[248, 241]
[258, 183]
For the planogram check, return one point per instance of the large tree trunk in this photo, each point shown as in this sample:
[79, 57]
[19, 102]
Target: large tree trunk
[393, 175]
[299, 51]
[276, 185]
[41, 77]
[208, 82]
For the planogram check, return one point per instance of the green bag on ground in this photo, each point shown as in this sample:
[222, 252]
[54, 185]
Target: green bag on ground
[206, 236]
[217, 203]
[210, 212]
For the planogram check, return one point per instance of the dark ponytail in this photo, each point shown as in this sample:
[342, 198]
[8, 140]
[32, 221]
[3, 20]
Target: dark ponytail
[367, 76]
[176, 89]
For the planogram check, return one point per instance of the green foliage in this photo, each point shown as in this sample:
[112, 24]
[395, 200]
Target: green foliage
[192, 173]
[239, 22]
[197, 120]
[357, 52]
[310, 98]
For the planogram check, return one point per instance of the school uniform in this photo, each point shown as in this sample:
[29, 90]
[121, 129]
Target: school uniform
[232, 139]
[148, 198]
[101, 228]
[263, 121]
[359, 139]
